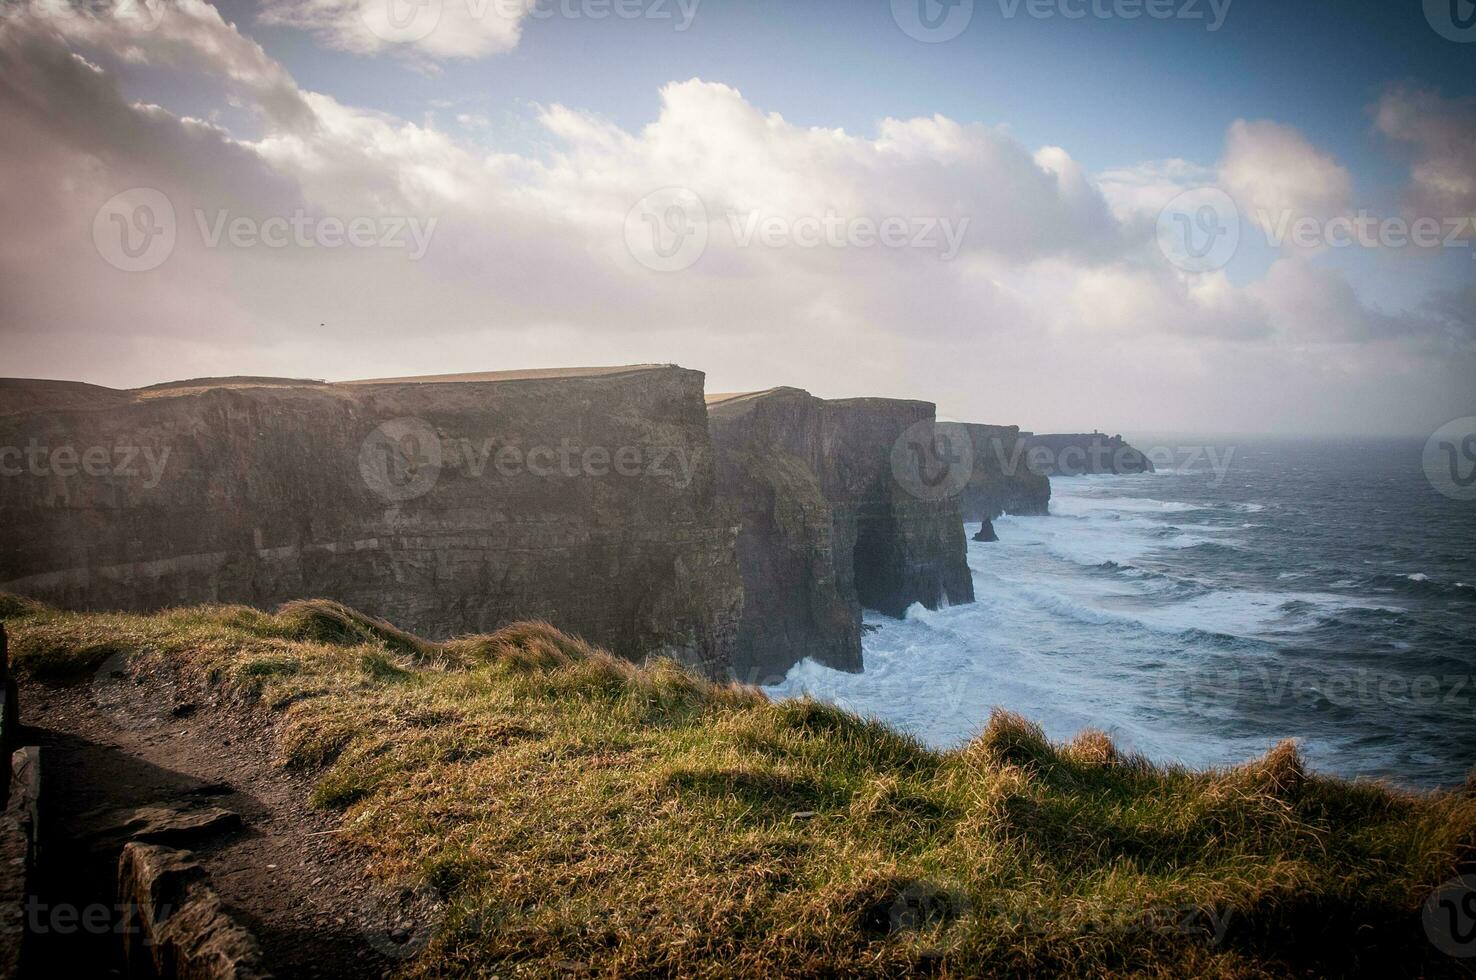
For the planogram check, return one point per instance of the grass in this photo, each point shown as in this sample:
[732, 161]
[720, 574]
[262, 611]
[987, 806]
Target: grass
[574, 811]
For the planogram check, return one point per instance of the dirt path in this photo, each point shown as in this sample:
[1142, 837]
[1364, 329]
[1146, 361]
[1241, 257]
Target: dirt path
[109, 746]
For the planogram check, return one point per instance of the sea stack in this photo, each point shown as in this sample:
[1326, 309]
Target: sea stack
[986, 531]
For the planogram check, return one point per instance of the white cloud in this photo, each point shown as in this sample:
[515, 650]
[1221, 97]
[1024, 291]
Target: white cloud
[431, 29]
[1057, 277]
[1274, 171]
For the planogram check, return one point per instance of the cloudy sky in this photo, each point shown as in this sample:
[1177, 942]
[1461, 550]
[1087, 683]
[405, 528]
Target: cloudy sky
[1211, 216]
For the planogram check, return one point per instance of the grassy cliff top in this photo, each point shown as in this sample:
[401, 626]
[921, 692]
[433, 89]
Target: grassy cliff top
[570, 808]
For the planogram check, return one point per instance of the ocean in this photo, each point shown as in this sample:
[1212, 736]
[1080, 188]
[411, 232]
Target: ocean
[1316, 590]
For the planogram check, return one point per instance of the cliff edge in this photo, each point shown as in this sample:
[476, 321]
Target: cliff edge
[452, 504]
[825, 526]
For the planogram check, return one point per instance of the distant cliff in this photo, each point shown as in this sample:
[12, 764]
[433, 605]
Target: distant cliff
[452, 505]
[1075, 454]
[1001, 481]
[826, 528]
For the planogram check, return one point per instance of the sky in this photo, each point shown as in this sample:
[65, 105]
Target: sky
[1214, 216]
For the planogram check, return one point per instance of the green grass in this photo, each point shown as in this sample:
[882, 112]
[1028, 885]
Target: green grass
[570, 808]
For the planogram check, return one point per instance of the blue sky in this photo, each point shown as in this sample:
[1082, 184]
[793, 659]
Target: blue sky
[1058, 139]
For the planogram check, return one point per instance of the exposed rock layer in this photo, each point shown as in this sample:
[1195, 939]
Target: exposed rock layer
[826, 527]
[585, 497]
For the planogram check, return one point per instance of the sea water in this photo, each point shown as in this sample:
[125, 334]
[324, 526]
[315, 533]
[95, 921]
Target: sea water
[1320, 591]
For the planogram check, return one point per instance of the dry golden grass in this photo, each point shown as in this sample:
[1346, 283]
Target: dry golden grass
[573, 810]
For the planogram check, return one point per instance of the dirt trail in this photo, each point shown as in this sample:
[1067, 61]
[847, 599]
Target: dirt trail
[112, 746]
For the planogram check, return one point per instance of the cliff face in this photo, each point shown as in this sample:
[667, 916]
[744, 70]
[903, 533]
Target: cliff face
[1001, 481]
[826, 527]
[451, 505]
[1075, 454]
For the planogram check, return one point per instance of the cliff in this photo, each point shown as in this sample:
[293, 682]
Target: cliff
[826, 525]
[1001, 481]
[453, 504]
[1074, 454]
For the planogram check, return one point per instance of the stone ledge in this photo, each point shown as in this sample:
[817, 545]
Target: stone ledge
[18, 843]
[174, 925]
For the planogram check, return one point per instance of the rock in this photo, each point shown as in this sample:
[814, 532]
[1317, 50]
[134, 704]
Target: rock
[986, 531]
[825, 529]
[9, 716]
[1001, 481]
[19, 825]
[445, 505]
[174, 823]
[174, 925]
[1076, 454]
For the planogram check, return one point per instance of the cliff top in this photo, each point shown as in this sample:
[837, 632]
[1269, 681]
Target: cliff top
[708, 830]
[521, 374]
[19, 395]
[731, 399]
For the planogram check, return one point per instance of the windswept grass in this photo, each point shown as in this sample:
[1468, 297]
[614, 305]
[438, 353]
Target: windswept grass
[576, 812]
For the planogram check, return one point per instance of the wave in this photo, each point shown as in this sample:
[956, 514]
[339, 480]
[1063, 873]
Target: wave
[1420, 584]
